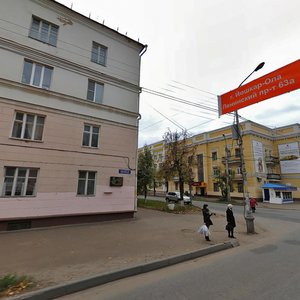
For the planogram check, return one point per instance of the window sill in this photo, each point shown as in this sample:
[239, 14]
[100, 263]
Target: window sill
[25, 140]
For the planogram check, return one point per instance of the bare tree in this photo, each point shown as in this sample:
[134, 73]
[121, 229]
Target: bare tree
[179, 153]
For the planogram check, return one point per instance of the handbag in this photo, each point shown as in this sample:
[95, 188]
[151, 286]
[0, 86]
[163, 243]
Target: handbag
[204, 230]
[228, 227]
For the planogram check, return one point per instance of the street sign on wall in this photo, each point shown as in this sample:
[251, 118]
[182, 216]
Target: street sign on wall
[124, 171]
[283, 80]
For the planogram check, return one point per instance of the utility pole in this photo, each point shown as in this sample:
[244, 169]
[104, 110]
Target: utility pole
[247, 212]
[227, 170]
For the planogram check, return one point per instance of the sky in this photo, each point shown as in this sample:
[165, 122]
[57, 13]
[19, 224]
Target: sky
[200, 49]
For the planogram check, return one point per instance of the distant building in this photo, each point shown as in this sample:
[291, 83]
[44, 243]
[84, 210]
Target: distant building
[69, 111]
[270, 155]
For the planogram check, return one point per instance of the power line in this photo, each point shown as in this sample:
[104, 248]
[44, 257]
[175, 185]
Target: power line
[192, 87]
[177, 99]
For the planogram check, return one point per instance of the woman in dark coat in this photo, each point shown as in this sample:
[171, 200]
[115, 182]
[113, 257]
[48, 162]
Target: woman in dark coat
[206, 216]
[230, 221]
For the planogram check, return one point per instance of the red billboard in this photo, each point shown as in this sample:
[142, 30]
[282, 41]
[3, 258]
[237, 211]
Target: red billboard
[283, 80]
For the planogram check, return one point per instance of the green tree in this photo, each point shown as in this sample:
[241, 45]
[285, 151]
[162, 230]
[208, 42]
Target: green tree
[179, 158]
[145, 177]
[221, 178]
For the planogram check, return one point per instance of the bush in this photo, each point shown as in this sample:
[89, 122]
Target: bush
[12, 284]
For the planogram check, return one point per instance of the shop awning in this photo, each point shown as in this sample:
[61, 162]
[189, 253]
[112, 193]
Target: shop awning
[280, 187]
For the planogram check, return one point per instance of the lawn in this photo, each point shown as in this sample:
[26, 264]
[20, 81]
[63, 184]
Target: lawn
[163, 206]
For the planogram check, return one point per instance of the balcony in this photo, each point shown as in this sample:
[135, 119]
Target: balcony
[237, 177]
[232, 160]
[273, 176]
[271, 160]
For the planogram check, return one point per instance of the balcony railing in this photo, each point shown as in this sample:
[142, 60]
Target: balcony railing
[231, 160]
[273, 176]
[238, 177]
[271, 160]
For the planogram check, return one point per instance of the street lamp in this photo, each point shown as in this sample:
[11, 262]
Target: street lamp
[247, 212]
[227, 170]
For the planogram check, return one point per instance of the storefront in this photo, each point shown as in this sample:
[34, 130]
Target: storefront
[200, 188]
[278, 193]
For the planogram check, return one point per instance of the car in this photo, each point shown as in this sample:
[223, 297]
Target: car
[175, 197]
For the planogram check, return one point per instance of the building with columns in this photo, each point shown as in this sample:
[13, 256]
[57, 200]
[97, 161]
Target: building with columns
[271, 156]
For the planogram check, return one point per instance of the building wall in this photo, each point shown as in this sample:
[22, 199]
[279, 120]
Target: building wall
[59, 155]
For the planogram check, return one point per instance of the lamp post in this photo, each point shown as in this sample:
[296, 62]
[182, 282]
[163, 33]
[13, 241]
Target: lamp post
[227, 170]
[247, 212]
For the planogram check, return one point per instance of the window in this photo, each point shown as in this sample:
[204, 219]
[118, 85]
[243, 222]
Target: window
[237, 152]
[86, 183]
[95, 91]
[214, 155]
[239, 170]
[216, 187]
[216, 171]
[36, 74]
[28, 126]
[90, 136]
[287, 195]
[43, 31]
[99, 54]
[19, 181]
[240, 187]
[277, 194]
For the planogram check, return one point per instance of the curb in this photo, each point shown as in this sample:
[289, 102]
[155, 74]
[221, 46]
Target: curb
[96, 280]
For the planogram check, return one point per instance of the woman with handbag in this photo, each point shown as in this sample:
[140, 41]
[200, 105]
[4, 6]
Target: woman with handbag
[206, 218]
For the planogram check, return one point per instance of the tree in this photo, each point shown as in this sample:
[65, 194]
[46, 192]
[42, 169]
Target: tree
[145, 176]
[221, 179]
[178, 161]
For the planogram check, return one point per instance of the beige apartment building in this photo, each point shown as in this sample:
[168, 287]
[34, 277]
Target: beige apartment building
[271, 156]
[69, 111]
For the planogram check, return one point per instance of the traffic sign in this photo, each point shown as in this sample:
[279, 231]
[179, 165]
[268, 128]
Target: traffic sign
[283, 80]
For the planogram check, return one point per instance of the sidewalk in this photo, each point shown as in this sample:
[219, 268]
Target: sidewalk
[59, 255]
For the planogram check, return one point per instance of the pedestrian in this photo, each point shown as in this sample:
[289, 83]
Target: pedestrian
[253, 204]
[230, 221]
[206, 218]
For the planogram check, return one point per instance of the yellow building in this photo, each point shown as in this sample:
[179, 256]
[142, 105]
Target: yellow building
[270, 156]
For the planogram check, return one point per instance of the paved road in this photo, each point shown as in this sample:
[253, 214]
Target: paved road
[264, 269]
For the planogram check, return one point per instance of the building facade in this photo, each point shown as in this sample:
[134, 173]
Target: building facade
[69, 103]
[270, 156]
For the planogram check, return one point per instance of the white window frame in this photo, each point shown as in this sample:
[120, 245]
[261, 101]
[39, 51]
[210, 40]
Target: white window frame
[34, 71]
[99, 54]
[95, 91]
[90, 133]
[16, 177]
[215, 171]
[86, 181]
[24, 123]
[44, 31]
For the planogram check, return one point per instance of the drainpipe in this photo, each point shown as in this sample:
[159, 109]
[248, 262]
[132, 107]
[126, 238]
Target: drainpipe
[143, 50]
[136, 164]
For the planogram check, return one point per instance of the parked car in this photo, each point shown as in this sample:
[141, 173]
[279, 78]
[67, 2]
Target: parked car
[175, 197]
